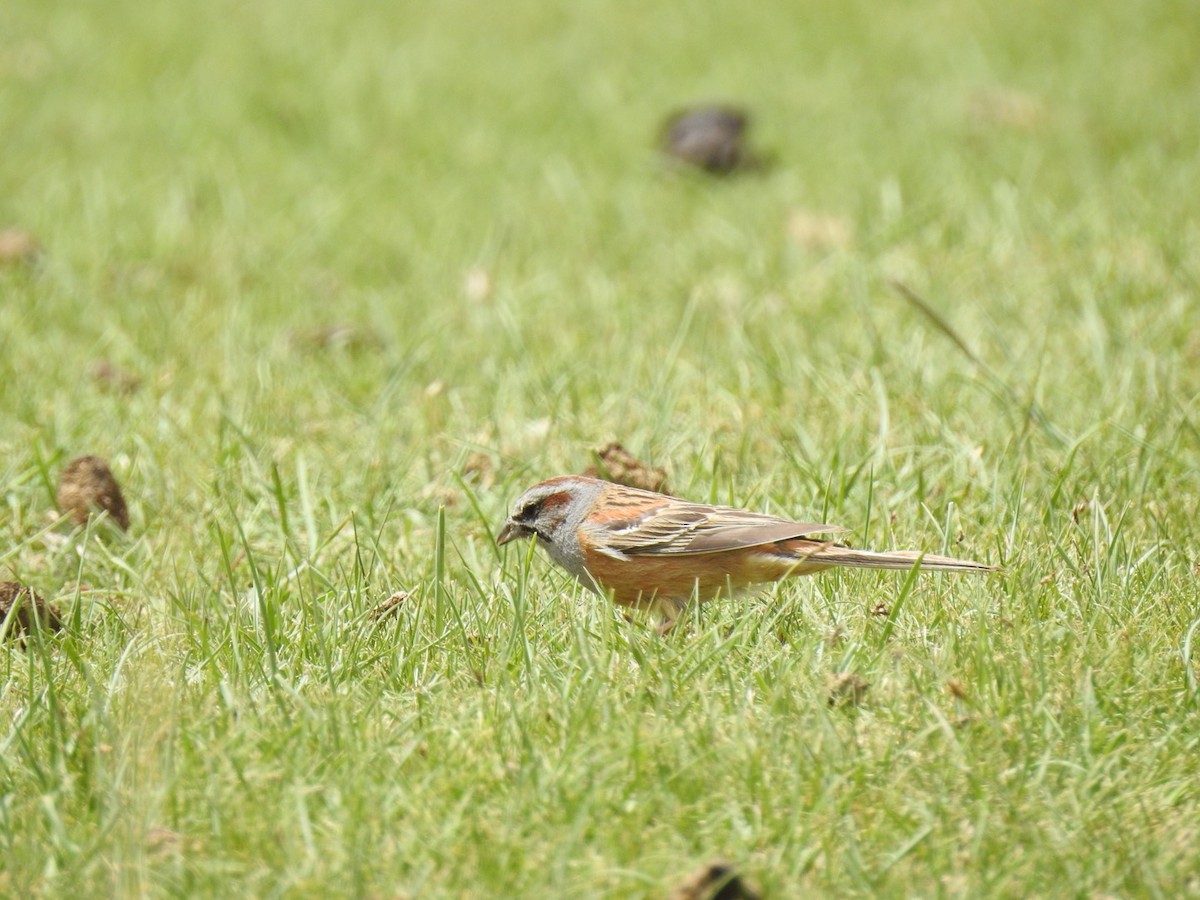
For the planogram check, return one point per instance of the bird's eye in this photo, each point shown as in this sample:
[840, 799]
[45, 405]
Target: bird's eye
[529, 513]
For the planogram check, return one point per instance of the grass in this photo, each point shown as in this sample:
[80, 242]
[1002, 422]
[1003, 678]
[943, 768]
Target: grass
[224, 716]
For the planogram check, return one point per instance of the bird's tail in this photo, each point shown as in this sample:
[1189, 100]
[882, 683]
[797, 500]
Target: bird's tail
[834, 555]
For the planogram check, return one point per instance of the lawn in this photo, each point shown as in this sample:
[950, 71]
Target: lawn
[329, 285]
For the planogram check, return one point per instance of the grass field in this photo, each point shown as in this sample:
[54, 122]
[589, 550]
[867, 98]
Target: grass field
[474, 188]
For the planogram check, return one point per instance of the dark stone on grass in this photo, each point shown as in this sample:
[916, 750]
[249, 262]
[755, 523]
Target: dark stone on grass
[716, 880]
[30, 609]
[87, 485]
[711, 137]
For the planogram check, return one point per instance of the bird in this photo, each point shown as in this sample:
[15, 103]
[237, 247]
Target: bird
[656, 552]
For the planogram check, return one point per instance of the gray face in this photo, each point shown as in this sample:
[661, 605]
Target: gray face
[541, 511]
[552, 512]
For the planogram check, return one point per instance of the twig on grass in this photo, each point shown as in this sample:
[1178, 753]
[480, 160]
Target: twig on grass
[1031, 408]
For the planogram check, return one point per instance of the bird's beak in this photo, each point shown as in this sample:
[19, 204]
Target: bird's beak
[512, 531]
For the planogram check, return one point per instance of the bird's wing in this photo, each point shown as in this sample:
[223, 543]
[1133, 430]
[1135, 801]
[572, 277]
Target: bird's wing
[683, 529]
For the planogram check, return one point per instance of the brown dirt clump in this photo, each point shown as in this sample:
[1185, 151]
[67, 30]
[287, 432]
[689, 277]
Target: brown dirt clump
[615, 463]
[87, 484]
[30, 608]
[716, 880]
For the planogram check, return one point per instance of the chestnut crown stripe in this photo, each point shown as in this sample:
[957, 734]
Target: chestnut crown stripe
[555, 500]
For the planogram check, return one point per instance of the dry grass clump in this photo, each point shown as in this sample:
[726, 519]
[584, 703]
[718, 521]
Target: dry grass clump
[87, 485]
[29, 608]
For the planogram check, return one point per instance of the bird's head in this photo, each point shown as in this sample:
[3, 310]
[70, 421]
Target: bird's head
[547, 508]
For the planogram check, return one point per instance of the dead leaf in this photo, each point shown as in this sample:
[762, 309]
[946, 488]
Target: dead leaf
[615, 463]
[161, 841]
[847, 689]
[18, 248]
[113, 378]
[477, 284]
[1007, 108]
[338, 336]
[390, 606]
[479, 468]
[957, 688]
[820, 232]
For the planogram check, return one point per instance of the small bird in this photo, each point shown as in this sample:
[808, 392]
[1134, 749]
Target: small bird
[652, 551]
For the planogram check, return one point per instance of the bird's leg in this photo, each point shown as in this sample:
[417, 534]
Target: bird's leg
[668, 611]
